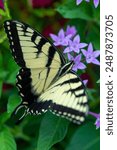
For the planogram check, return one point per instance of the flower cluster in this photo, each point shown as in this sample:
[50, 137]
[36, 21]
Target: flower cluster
[96, 2]
[75, 49]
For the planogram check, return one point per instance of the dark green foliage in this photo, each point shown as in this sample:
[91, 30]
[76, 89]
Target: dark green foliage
[52, 130]
[85, 138]
[47, 131]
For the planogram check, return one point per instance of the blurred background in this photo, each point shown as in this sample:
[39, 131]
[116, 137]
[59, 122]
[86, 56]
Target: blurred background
[48, 131]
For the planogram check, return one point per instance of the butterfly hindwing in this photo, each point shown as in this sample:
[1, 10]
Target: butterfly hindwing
[68, 97]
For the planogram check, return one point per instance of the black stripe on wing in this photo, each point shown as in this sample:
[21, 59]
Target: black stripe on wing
[66, 112]
[24, 85]
[29, 98]
[12, 35]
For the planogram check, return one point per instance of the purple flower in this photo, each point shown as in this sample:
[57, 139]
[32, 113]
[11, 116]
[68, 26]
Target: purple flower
[1, 4]
[77, 62]
[97, 116]
[75, 45]
[85, 82]
[79, 1]
[70, 30]
[91, 55]
[97, 123]
[96, 3]
[61, 39]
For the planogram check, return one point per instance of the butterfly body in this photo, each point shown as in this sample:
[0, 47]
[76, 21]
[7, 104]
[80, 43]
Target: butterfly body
[45, 81]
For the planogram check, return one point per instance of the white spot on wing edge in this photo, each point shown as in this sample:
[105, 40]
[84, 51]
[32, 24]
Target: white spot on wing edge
[37, 40]
[30, 30]
[18, 25]
[7, 23]
[8, 27]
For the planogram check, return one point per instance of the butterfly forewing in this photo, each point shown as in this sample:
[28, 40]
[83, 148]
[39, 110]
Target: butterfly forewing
[30, 49]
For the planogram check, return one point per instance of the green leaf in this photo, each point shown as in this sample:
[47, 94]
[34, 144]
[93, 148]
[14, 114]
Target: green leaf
[2, 34]
[91, 93]
[42, 12]
[96, 14]
[85, 138]
[12, 77]
[4, 117]
[94, 35]
[52, 130]
[2, 12]
[13, 70]
[7, 141]
[1, 59]
[3, 73]
[13, 102]
[71, 10]
[7, 9]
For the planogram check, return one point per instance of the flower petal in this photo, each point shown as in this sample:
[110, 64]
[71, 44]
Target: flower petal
[54, 37]
[78, 2]
[90, 48]
[76, 39]
[82, 45]
[76, 50]
[85, 82]
[61, 34]
[96, 53]
[95, 61]
[77, 59]
[57, 43]
[97, 123]
[65, 42]
[96, 3]
[74, 68]
[67, 50]
[84, 52]
[89, 60]
[70, 30]
[70, 57]
[81, 66]
[68, 36]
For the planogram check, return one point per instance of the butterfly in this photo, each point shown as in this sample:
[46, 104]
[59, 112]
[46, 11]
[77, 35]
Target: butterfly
[45, 81]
